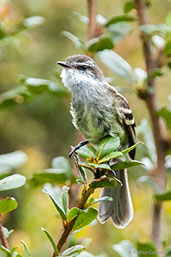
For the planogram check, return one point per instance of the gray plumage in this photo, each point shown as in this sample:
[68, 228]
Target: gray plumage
[99, 110]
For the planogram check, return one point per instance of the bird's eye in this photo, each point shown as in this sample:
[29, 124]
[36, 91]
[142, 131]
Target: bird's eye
[83, 67]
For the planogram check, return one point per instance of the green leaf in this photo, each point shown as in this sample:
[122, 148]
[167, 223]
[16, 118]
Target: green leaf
[73, 249]
[163, 197]
[117, 64]
[146, 250]
[156, 73]
[11, 182]
[106, 146]
[8, 204]
[12, 160]
[5, 250]
[85, 254]
[148, 180]
[77, 42]
[126, 164]
[99, 43]
[104, 183]
[131, 148]
[118, 31]
[62, 165]
[86, 152]
[38, 86]
[81, 170]
[81, 18]
[119, 18]
[168, 253]
[100, 166]
[2, 31]
[54, 194]
[51, 175]
[128, 6]
[168, 19]
[85, 218]
[150, 29]
[104, 198]
[51, 241]
[165, 113]
[167, 49]
[26, 250]
[16, 254]
[73, 213]
[65, 190]
[125, 249]
[110, 156]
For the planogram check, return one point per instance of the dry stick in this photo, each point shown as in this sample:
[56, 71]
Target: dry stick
[159, 130]
[2, 236]
[69, 226]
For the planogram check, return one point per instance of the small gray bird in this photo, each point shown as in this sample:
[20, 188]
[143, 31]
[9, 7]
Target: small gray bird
[98, 110]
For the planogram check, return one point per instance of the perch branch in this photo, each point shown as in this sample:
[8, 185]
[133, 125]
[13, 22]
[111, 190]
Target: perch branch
[2, 236]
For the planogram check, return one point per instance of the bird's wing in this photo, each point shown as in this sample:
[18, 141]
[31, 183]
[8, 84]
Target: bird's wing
[126, 115]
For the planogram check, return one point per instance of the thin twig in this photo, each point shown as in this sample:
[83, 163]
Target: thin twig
[2, 236]
[159, 130]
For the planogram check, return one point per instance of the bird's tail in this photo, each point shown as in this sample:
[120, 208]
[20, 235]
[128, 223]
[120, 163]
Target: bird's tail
[121, 208]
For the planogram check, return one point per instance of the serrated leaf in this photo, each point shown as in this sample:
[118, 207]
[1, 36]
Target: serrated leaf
[131, 148]
[77, 42]
[51, 241]
[148, 248]
[99, 43]
[8, 204]
[86, 152]
[126, 164]
[119, 18]
[104, 183]
[85, 218]
[65, 190]
[128, 6]
[26, 250]
[106, 146]
[55, 195]
[73, 249]
[11, 182]
[163, 197]
[117, 64]
[125, 249]
[110, 156]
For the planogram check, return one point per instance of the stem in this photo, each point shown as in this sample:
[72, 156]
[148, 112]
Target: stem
[69, 226]
[92, 25]
[2, 236]
[159, 130]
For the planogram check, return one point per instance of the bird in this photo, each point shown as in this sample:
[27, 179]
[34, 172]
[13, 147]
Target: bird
[98, 110]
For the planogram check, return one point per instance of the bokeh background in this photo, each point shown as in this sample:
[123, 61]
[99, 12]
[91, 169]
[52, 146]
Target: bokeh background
[42, 127]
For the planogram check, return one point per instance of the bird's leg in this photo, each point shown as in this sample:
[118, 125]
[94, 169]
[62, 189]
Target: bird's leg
[74, 149]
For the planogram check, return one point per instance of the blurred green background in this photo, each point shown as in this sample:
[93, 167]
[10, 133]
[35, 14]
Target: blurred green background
[43, 126]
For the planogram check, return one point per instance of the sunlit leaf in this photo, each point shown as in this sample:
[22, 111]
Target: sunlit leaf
[163, 197]
[26, 250]
[33, 21]
[7, 232]
[6, 251]
[117, 64]
[140, 75]
[8, 204]
[65, 190]
[55, 195]
[86, 152]
[147, 248]
[101, 20]
[128, 6]
[131, 148]
[119, 18]
[77, 42]
[110, 156]
[106, 146]
[99, 43]
[104, 198]
[51, 241]
[158, 41]
[11, 182]
[73, 213]
[125, 249]
[85, 218]
[73, 249]
[125, 164]
[167, 49]
[81, 18]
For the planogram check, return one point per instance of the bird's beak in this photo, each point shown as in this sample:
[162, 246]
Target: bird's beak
[63, 64]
